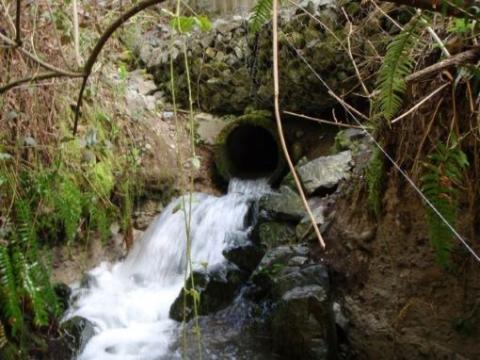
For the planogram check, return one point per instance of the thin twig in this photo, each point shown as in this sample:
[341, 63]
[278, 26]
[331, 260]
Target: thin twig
[322, 121]
[279, 123]
[34, 78]
[18, 35]
[420, 103]
[349, 51]
[142, 5]
[37, 59]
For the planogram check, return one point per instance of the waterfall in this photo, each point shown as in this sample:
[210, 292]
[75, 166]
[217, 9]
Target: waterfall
[128, 302]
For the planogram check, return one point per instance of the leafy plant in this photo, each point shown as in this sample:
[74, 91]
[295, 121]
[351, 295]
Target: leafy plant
[440, 183]
[374, 175]
[397, 64]
[262, 12]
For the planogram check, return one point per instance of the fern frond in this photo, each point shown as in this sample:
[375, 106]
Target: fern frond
[397, 64]
[3, 336]
[68, 205]
[374, 175]
[10, 299]
[262, 12]
[439, 184]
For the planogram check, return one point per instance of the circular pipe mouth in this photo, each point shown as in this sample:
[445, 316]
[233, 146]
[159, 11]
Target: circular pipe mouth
[248, 148]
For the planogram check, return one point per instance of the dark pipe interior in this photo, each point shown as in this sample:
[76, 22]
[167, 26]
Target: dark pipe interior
[252, 151]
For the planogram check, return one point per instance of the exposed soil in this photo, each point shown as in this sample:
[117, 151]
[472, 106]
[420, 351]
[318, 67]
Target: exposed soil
[400, 303]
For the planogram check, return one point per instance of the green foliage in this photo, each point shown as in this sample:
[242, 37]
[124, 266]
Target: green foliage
[443, 174]
[397, 64]
[3, 336]
[68, 207]
[186, 24]
[262, 12]
[10, 299]
[374, 175]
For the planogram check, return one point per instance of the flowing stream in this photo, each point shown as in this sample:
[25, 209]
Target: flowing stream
[128, 302]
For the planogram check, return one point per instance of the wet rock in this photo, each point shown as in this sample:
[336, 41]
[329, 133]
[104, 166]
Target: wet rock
[325, 172]
[144, 215]
[63, 292]
[75, 333]
[273, 233]
[299, 307]
[242, 252]
[215, 287]
[285, 205]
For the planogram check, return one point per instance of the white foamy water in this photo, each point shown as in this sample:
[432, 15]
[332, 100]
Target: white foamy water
[128, 302]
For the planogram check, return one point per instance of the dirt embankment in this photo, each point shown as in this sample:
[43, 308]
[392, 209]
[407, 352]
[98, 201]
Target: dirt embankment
[400, 303]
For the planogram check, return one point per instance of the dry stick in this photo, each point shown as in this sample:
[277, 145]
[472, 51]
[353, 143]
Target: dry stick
[9, 18]
[57, 35]
[420, 103]
[76, 34]
[350, 32]
[142, 5]
[322, 121]
[39, 77]
[278, 118]
[38, 60]
[386, 15]
[18, 35]
[464, 57]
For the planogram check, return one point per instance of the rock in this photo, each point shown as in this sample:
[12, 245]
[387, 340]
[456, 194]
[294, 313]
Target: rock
[297, 297]
[216, 288]
[144, 215]
[346, 139]
[272, 233]
[63, 292]
[76, 332]
[304, 227]
[208, 127]
[242, 252]
[285, 205]
[325, 172]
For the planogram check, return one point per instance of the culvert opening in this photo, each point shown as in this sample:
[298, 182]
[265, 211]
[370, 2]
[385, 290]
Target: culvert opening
[252, 152]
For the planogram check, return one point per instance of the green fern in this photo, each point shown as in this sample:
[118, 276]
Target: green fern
[374, 175]
[3, 336]
[440, 184]
[68, 206]
[262, 12]
[397, 64]
[10, 299]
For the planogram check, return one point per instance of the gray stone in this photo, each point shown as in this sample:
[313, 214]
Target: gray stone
[325, 172]
[284, 205]
[208, 127]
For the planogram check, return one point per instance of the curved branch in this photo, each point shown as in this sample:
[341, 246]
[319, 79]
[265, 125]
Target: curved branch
[39, 77]
[142, 5]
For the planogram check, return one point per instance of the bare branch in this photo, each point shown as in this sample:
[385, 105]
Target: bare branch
[142, 5]
[322, 121]
[468, 56]
[39, 77]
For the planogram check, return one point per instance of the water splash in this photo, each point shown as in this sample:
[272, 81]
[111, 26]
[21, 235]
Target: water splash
[128, 302]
